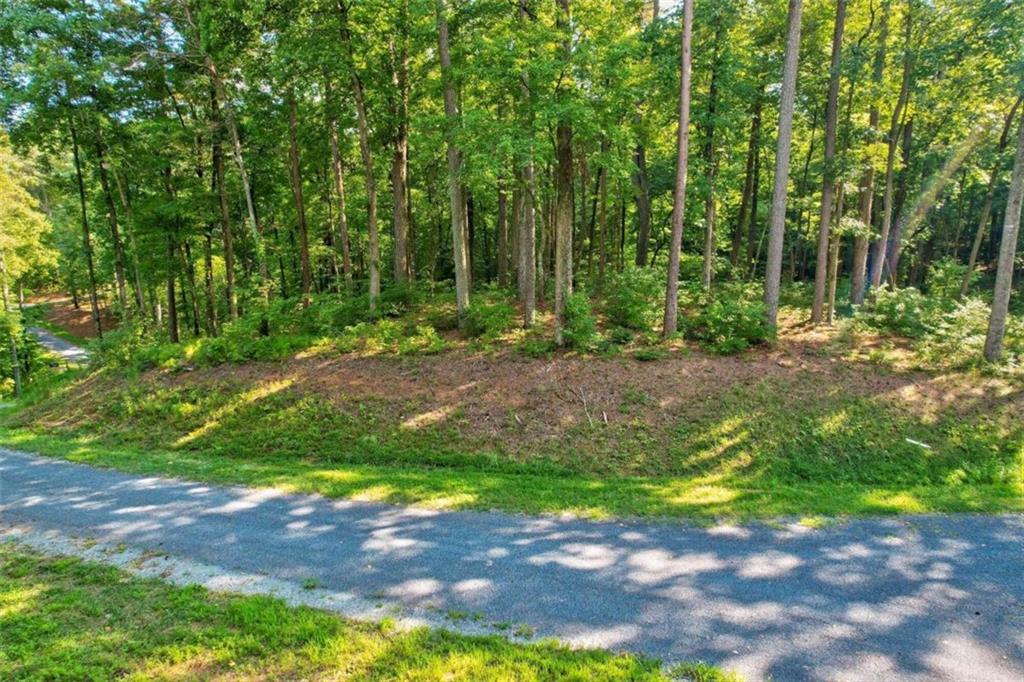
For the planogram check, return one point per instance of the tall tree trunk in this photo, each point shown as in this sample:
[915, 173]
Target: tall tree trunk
[748, 179]
[338, 170]
[460, 253]
[300, 204]
[373, 238]
[211, 301]
[777, 228]
[115, 233]
[502, 228]
[526, 229]
[230, 293]
[86, 237]
[829, 182]
[881, 246]
[990, 194]
[643, 207]
[602, 193]
[710, 159]
[193, 290]
[172, 304]
[861, 241]
[400, 143]
[563, 192]
[682, 161]
[126, 204]
[1007, 252]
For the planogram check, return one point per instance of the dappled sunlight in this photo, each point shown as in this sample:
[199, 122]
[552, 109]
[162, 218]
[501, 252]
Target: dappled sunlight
[429, 418]
[245, 398]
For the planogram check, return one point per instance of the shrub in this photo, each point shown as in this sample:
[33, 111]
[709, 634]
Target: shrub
[958, 338]
[904, 312]
[633, 298]
[536, 348]
[580, 328]
[730, 322]
[944, 279]
[489, 320]
[621, 336]
[425, 341]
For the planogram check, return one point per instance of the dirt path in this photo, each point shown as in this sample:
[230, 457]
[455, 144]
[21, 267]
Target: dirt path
[910, 598]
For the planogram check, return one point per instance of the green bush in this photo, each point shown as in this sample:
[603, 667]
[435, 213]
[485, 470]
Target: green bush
[488, 320]
[905, 312]
[957, 339]
[580, 328]
[944, 279]
[633, 298]
[621, 336]
[729, 322]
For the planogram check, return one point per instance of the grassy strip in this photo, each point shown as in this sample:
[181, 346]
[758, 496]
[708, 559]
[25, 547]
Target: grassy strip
[66, 619]
[458, 488]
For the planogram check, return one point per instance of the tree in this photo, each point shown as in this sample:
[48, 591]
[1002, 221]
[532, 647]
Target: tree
[777, 228]
[828, 184]
[563, 189]
[1007, 251]
[682, 159]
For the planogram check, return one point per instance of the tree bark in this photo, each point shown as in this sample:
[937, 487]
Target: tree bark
[682, 160]
[710, 159]
[777, 223]
[881, 246]
[86, 237]
[990, 194]
[460, 254]
[563, 193]
[828, 183]
[400, 144]
[1007, 252]
[115, 233]
[502, 228]
[230, 293]
[526, 229]
[300, 204]
[748, 180]
[373, 237]
[338, 170]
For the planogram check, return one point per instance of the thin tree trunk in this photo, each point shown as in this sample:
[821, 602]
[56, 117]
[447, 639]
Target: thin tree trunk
[990, 193]
[115, 234]
[86, 237]
[502, 228]
[300, 203]
[777, 230]
[460, 255]
[881, 246]
[193, 290]
[339, 190]
[373, 237]
[230, 292]
[172, 304]
[400, 156]
[748, 180]
[526, 228]
[211, 301]
[828, 184]
[682, 160]
[1007, 252]
[563, 193]
[133, 249]
[643, 207]
[710, 159]
[602, 192]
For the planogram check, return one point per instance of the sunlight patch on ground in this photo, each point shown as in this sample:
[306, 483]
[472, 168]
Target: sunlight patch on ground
[428, 418]
[252, 395]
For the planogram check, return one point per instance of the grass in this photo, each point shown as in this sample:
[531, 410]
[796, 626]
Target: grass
[66, 619]
[780, 446]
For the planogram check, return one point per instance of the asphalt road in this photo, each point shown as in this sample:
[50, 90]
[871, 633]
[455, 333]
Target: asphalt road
[54, 343]
[909, 598]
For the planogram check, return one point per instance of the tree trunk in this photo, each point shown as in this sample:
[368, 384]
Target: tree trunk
[86, 238]
[526, 228]
[373, 238]
[1007, 252]
[563, 193]
[172, 304]
[502, 228]
[132, 247]
[881, 246]
[682, 159]
[339, 191]
[193, 290]
[460, 255]
[300, 203]
[211, 301]
[115, 234]
[990, 193]
[710, 159]
[828, 183]
[602, 193]
[400, 143]
[643, 207]
[748, 180]
[230, 293]
[777, 229]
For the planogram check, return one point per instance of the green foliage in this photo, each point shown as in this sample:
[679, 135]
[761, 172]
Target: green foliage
[488, 321]
[945, 277]
[957, 338]
[905, 312]
[634, 298]
[729, 321]
[580, 328]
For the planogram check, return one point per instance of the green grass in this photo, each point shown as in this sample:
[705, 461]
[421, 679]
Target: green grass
[65, 619]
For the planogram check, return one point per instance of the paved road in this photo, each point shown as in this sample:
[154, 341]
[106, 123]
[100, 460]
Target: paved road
[64, 349]
[916, 598]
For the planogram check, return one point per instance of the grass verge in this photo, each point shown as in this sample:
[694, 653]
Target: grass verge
[66, 619]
